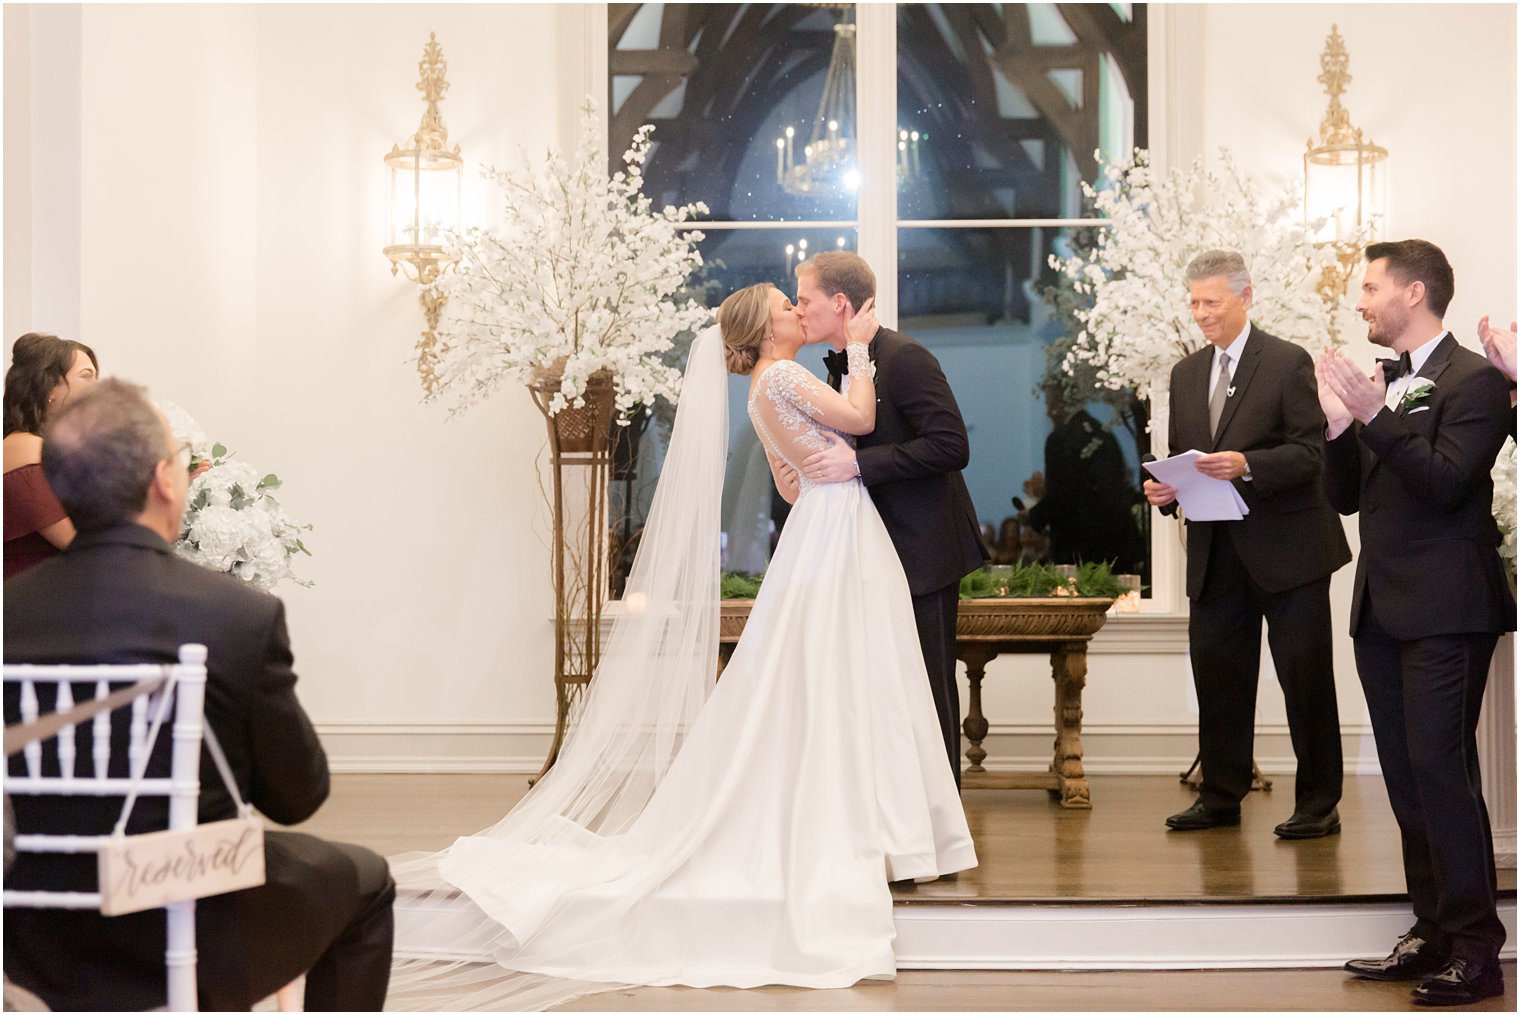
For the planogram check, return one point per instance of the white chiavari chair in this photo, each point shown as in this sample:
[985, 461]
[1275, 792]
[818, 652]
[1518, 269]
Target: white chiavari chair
[85, 689]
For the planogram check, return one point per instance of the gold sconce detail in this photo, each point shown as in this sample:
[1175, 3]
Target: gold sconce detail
[423, 204]
[1341, 178]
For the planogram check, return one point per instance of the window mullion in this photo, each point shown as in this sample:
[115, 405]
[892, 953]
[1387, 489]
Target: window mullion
[876, 140]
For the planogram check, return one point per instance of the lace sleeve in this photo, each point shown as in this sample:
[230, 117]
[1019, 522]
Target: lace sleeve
[797, 395]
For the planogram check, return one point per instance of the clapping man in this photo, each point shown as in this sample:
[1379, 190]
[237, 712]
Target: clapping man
[1411, 448]
[1247, 399]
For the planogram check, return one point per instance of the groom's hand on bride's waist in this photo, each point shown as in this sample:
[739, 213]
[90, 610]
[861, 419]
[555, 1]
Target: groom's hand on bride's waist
[835, 464]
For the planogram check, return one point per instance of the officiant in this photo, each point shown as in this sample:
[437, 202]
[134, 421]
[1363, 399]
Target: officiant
[1248, 400]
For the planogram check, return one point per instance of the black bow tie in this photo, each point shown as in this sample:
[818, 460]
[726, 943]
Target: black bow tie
[1393, 369]
[837, 363]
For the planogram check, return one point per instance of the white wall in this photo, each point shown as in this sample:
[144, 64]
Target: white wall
[228, 202]
[232, 198]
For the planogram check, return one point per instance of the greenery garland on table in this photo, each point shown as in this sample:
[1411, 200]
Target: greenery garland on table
[1094, 580]
[740, 586]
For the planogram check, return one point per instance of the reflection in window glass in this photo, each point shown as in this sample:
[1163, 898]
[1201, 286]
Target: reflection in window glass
[1000, 109]
[722, 83]
[1054, 472]
[1010, 102]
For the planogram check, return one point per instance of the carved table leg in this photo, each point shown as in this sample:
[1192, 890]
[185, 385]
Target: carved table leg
[975, 726]
[1068, 666]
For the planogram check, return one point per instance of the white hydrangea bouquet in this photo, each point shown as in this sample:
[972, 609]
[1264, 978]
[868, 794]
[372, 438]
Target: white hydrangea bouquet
[1504, 505]
[1139, 324]
[232, 522]
[582, 277]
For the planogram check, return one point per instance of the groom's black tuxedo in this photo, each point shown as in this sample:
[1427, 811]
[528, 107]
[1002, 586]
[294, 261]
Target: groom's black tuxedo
[1275, 563]
[912, 465]
[120, 595]
[1429, 602]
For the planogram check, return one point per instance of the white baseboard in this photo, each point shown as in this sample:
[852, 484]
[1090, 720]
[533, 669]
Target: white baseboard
[1111, 749]
[1115, 936]
[1261, 936]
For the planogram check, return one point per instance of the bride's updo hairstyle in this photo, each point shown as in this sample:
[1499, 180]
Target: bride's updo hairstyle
[745, 320]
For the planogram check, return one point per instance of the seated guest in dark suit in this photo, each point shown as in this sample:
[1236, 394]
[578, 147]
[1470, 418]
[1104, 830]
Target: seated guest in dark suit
[1247, 399]
[118, 594]
[1412, 450]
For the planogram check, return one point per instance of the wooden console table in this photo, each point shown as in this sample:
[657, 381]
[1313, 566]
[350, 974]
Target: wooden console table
[1062, 627]
[985, 629]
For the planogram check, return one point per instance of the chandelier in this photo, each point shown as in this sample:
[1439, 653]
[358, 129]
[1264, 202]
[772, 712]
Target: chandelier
[828, 163]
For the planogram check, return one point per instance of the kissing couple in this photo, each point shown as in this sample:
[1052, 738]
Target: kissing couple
[743, 832]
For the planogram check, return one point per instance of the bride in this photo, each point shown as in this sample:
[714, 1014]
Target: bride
[740, 833]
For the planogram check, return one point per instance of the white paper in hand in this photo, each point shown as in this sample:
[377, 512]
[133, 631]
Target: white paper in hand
[1202, 498]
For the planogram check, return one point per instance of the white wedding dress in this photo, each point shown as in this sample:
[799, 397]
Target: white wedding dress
[745, 839]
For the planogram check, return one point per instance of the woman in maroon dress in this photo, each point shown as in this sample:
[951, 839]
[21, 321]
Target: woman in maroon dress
[46, 371]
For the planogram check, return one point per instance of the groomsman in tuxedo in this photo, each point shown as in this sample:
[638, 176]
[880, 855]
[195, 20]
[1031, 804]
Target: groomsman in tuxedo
[118, 594]
[1411, 449]
[1248, 401]
[911, 462]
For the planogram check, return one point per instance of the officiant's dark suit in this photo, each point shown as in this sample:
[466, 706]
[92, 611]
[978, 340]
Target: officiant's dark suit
[119, 594]
[1430, 600]
[1273, 564]
[912, 465]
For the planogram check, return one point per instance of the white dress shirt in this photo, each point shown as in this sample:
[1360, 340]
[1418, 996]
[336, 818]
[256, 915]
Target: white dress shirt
[1417, 358]
[1234, 351]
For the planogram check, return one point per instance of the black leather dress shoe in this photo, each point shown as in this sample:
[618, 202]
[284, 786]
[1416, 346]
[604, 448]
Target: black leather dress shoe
[1198, 816]
[1463, 981]
[1413, 958]
[1308, 826]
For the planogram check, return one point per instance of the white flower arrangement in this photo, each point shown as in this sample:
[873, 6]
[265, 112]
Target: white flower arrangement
[582, 277]
[1504, 505]
[232, 523]
[1139, 324]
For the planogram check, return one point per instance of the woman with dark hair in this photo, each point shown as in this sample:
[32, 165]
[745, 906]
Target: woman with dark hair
[46, 372]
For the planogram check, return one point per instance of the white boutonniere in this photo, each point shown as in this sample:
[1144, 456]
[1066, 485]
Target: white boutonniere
[1418, 393]
[1230, 391]
[873, 370]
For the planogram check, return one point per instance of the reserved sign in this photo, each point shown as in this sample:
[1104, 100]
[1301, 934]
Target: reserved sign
[140, 872]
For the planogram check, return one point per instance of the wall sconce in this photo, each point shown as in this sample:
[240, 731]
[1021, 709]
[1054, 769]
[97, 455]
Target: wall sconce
[423, 204]
[1340, 177]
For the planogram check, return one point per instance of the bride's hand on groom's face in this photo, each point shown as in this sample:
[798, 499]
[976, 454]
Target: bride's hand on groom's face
[835, 464]
[862, 325]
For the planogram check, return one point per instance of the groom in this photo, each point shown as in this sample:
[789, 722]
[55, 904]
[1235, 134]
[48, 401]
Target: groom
[911, 462]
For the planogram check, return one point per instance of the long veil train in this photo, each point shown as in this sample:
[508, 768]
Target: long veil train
[656, 672]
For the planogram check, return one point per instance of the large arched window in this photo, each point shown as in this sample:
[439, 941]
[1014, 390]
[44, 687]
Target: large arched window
[968, 132]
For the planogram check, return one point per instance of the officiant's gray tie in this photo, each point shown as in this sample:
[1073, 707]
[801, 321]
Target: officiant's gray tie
[1221, 394]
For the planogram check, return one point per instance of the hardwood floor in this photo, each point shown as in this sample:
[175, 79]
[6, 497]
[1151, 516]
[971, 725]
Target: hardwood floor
[1030, 850]
[1212, 990]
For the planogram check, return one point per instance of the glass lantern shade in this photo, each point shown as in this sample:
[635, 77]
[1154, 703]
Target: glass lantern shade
[423, 203]
[1342, 187]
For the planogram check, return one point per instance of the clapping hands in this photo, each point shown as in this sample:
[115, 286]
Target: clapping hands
[1499, 346]
[1345, 393]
